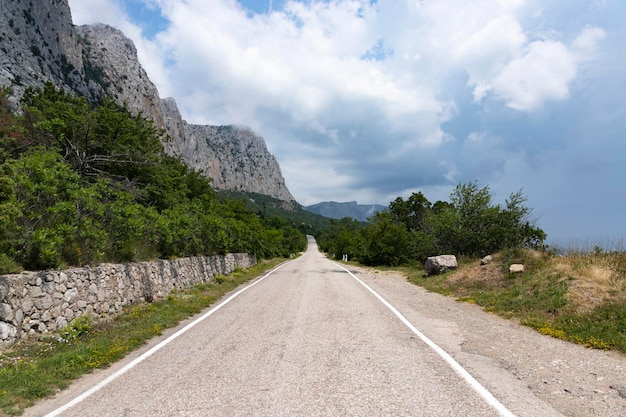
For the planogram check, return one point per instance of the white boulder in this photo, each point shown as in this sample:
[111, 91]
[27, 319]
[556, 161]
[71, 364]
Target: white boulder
[438, 264]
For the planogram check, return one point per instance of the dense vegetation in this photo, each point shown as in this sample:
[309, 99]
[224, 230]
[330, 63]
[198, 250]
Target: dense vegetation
[82, 183]
[291, 212]
[413, 229]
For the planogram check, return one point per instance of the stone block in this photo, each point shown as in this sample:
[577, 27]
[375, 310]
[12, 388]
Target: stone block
[46, 316]
[48, 287]
[61, 323]
[19, 316]
[7, 331]
[27, 305]
[70, 295]
[6, 312]
[439, 264]
[44, 302]
[35, 292]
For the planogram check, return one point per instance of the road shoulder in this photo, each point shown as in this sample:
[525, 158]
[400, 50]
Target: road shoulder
[570, 379]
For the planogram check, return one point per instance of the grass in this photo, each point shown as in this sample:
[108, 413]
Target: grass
[37, 369]
[579, 297]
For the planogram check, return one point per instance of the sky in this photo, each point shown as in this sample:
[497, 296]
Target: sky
[370, 100]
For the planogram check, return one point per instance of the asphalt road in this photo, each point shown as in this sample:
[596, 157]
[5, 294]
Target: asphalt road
[309, 339]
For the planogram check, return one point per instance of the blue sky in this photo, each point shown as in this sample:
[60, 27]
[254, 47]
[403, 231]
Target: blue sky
[370, 100]
[263, 6]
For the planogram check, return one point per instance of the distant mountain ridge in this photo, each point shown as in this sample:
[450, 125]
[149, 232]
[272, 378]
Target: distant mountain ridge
[39, 44]
[352, 209]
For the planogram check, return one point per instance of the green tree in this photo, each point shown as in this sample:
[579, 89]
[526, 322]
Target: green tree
[523, 231]
[344, 238]
[55, 215]
[11, 138]
[482, 227]
[386, 242]
[445, 227]
[413, 213]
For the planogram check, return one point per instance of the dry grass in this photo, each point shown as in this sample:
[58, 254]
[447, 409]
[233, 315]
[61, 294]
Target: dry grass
[474, 275]
[593, 278]
[596, 278]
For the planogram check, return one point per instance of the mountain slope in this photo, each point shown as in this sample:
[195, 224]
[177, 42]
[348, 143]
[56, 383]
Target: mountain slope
[39, 44]
[335, 210]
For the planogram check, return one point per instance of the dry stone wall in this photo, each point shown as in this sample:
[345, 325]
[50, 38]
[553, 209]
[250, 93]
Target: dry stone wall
[33, 303]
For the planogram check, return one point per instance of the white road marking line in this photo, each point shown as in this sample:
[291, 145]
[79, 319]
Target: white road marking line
[155, 349]
[476, 386]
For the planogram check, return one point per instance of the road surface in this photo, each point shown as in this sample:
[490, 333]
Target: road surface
[315, 339]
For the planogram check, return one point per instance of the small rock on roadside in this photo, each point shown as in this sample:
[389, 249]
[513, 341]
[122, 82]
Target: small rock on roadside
[486, 260]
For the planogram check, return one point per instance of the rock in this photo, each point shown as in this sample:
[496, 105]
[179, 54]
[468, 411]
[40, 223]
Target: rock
[115, 68]
[516, 268]
[36, 292]
[486, 260]
[61, 322]
[39, 44]
[44, 302]
[234, 157]
[46, 316]
[6, 312]
[19, 316]
[27, 305]
[7, 331]
[438, 264]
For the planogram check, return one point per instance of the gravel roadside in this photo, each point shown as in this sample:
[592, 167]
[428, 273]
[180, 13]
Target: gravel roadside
[572, 379]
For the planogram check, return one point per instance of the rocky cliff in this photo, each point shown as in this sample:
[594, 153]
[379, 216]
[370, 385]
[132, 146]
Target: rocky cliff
[233, 157]
[39, 43]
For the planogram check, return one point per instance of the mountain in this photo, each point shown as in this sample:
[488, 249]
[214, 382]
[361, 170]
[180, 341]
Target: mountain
[39, 44]
[334, 210]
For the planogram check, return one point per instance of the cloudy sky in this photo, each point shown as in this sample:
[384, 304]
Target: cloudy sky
[370, 100]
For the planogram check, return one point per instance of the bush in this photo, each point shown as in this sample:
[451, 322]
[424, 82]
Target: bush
[91, 183]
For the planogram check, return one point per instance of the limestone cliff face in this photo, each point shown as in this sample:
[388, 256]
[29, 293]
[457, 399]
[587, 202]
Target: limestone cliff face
[39, 43]
[110, 59]
[233, 157]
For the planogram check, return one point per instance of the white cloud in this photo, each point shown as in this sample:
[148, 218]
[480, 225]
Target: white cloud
[94, 11]
[543, 73]
[587, 41]
[501, 57]
[303, 58]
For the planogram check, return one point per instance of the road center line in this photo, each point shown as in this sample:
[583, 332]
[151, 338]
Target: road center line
[155, 349]
[476, 386]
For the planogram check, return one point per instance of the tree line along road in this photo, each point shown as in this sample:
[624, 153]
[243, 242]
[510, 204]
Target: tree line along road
[313, 338]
